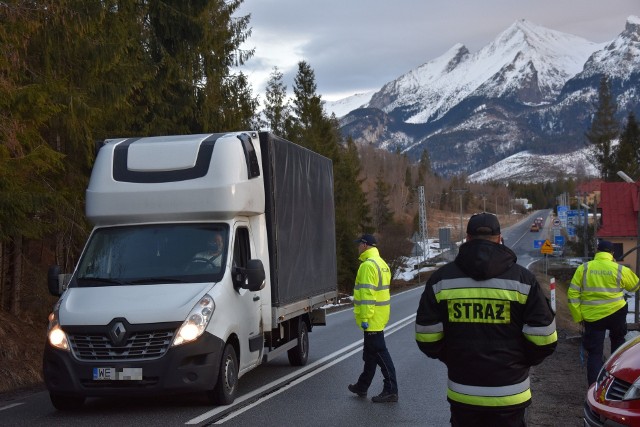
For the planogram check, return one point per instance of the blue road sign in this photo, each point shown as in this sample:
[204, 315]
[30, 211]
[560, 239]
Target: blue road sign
[537, 244]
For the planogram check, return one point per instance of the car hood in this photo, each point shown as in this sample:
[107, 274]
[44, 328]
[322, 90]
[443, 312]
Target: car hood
[625, 362]
[137, 304]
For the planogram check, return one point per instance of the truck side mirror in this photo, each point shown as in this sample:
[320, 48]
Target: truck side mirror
[255, 275]
[57, 282]
[53, 280]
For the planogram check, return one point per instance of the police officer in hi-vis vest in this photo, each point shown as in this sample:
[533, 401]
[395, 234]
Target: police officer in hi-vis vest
[596, 298]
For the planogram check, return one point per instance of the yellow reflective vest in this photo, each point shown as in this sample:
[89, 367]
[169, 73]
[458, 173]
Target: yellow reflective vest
[371, 298]
[596, 289]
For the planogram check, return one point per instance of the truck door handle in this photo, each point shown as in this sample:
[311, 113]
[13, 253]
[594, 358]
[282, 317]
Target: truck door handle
[256, 297]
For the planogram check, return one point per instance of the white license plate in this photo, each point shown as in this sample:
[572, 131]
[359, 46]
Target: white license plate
[117, 374]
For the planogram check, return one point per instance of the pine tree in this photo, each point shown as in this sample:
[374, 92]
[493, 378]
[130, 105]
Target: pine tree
[424, 167]
[628, 151]
[276, 109]
[310, 123]
[408, 183]
[604, 130]
[352, 212]
[382, 214]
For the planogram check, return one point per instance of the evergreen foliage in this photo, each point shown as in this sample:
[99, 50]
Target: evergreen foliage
[628, 151]
[73, 72]
[382, 214]
[277, 110]
[604, 130]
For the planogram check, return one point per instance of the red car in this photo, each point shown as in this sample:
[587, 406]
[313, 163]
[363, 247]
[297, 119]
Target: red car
[614, 399]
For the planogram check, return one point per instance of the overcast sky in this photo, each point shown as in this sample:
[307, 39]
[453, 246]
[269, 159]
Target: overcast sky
[356, 46]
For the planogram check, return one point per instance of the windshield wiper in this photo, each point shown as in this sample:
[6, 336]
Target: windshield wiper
[157, 280]
[103, 281]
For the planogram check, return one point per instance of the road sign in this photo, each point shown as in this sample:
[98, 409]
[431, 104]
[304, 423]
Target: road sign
[558, 240]
[546, 248]
[556, 222]
[537, 244]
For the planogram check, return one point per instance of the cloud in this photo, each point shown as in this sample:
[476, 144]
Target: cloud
[359, 45]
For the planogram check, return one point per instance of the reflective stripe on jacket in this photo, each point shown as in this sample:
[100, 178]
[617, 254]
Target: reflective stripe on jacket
[371, 298]
[596, 289]
[487, 319]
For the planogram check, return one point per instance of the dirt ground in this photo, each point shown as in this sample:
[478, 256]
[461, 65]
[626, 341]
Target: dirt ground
[559, 383]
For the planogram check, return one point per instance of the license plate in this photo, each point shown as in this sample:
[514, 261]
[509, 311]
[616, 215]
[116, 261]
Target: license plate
[117, 374]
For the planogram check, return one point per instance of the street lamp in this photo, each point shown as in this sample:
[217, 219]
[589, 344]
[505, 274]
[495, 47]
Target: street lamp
[628, 179]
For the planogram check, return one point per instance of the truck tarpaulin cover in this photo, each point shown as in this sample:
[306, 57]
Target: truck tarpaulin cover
[300, 219]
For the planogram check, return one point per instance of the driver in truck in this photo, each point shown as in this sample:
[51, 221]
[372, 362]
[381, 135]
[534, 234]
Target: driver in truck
[212, 255]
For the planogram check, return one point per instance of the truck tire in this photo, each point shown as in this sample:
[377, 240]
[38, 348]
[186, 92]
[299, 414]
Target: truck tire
[225, 390]
[299, 354]
[66, 402]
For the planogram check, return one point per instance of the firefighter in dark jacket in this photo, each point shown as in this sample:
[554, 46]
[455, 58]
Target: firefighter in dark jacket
[487, 319]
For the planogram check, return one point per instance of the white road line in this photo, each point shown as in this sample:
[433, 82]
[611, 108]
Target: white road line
[302, 375]
[13, 405]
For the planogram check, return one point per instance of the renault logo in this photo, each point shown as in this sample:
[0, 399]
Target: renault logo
[118, 333]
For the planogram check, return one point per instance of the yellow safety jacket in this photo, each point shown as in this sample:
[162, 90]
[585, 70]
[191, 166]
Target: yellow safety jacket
[596, 289]
[371, 298]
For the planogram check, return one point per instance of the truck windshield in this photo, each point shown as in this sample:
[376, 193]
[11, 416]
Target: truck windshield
[152, 254]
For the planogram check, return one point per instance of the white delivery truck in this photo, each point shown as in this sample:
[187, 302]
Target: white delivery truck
[150, 309]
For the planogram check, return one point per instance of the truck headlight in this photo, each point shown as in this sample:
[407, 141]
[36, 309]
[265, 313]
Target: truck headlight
[56, 336]
[196, 321]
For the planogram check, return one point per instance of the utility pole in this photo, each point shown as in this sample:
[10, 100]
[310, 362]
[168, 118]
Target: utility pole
[460, 191]
[424, 231]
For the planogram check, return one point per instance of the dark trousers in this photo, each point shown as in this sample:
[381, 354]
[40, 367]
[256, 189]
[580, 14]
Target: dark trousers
[375, 354]
[593, 340]
[466, 417]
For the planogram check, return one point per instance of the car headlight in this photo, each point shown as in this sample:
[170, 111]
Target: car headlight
[196, 321]
[634, 391]
[55, 335]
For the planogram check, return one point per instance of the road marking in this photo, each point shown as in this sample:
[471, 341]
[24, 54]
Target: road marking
[276, 387]
[13, 405]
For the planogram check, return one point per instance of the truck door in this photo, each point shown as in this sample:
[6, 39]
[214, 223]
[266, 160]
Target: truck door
[252, 339]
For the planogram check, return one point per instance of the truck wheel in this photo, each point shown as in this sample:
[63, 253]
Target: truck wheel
[299, 354]
[225, 390]
[66, 402]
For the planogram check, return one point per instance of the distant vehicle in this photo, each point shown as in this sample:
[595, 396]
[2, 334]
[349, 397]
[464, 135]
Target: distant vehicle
[539, 221]
[534, 227]
[614, 399]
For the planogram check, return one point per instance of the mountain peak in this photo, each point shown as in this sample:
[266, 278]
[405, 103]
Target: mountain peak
[632, 28]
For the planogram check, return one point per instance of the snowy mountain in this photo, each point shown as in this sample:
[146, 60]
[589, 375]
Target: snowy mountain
[531, 89]
[527, 167]
[343, 106]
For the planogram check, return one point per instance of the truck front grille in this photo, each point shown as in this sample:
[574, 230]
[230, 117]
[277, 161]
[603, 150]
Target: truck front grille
[141, 345]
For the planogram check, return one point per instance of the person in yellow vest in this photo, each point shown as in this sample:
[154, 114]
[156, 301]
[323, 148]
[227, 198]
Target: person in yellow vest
[596, 297]
[371, 308]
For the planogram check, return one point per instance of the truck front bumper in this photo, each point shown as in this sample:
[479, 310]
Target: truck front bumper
[188, 367]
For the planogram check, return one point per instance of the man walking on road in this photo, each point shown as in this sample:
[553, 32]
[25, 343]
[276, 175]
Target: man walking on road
[371, 308]
[487, 319]
[596, 298]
